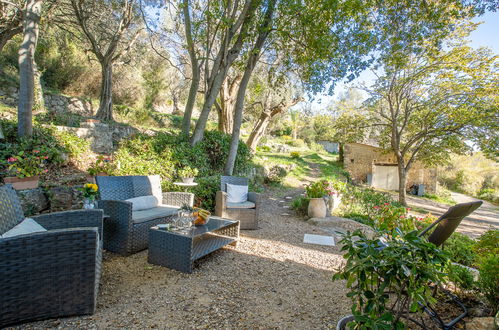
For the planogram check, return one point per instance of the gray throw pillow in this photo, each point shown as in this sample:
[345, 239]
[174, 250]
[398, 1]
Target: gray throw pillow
[143, 202]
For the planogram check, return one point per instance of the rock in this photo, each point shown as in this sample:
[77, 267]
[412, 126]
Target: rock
[33, 201]
[481, 323]
[65, 198]
[342, 225]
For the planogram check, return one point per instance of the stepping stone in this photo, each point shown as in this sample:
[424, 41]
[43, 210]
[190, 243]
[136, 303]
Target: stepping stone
[285, 214]
[318, 240]
[289, 197]
[286, 206]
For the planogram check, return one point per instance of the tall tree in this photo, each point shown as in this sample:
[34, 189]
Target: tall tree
[233, 27]
[432, 106]
[26, 67]
[11, 20]
[226, 102]
[110, 28]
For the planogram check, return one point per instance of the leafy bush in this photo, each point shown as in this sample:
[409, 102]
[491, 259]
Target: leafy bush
[489, 194]
[460, 276]
[295, 155]
[298, 143]
[406, 264]
[489, 279]
[264, 149]
[102, 165]
[316, 189]
[488, 243]
[361, 201]
[188, 172]
[205, 192]
[50, 144]
[300, 205]
[276, 174]
[26, 164]
[460, 249]
[389, 217]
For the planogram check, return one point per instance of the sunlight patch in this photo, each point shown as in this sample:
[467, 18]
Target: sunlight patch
[318, 239]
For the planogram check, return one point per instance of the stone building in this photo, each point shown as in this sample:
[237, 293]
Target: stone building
[370, 164]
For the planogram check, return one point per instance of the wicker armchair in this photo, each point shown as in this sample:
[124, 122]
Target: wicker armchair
[48, 274]
[127, 232]
[247, 213]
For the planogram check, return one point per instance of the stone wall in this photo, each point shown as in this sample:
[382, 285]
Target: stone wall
[35, 201]
[359, 161]
[55, 103]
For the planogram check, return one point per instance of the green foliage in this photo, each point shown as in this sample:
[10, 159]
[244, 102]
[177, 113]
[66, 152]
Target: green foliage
[489, 279]
[295, 154]
[188, 172]
[205, 192]
[460, 276]
[361, 201]
[298, 143]
[102, 165]
[316, 189]
[489, 194]
[460, 249]
[263, 149]
[404, 265]
[388, 217]
[46, 143]
[300, 205]
[488, 243]
[276, 174]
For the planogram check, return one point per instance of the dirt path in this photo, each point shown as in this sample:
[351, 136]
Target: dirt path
[487, 216]
[271, 280]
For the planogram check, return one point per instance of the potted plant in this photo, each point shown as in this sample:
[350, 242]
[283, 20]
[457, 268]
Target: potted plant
[188, 174]
[334, 191]
[389, 279]
[102, 166]
[90, 192]
[24, 169]
[316, 206]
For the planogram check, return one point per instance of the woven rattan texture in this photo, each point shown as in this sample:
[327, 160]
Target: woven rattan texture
[121, 234]
[11, 212]
[179, 252]
[232, 180]
[248, 217]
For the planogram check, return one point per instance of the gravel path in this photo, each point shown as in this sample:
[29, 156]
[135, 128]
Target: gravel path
[271, 280]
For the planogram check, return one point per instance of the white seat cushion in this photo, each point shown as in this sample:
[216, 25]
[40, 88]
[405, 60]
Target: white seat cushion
[236, 193]
[243, 205]
[27, 226]
[143, 202]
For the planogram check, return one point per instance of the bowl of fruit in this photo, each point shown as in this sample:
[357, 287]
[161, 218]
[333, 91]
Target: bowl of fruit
[202, 216]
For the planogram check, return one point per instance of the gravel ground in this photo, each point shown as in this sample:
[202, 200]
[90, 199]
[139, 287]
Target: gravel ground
[271, 280]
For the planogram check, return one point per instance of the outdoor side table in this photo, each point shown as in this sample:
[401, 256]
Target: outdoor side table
[178, 250]
[185, 186]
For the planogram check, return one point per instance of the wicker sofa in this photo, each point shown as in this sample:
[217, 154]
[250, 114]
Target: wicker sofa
[126, 231]
[247, 213]
[48, 274]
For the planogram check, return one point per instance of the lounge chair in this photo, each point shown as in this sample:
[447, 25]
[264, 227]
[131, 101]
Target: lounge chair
[50, 273]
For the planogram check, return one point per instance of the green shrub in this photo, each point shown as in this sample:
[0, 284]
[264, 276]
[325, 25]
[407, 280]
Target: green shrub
[263, 149]
[361, 201]
[276, 174]
[388, 217]
[406, 264]
[316, 189]
[489, 194]
[295, 155]
[74, 145]
[205, 192]
[461, 276]
[460, 249]
[298, 143]
[300, 205]
[488, 243]
[488, 281]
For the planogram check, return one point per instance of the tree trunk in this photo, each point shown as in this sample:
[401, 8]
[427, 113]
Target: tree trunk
[39, 101]
[264, 120]
[196, 75]
[105, 112]
[9, 34]
[241, 92]
[402, 182]
[228, 95]
[2, 136]
[26, 67]
[258, 130]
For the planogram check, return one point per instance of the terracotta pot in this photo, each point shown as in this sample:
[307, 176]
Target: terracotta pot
[317, 208]
[24, 183]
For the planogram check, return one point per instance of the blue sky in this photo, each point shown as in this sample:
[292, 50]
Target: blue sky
[486, 35]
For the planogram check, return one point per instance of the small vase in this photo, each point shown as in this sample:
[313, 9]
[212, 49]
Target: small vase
[88, 204]
[188, 180]
[317, 208]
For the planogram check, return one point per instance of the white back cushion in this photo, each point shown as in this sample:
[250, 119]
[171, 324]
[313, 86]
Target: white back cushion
[155, 181]
[27, 226]
[143, 202]
[236, 194]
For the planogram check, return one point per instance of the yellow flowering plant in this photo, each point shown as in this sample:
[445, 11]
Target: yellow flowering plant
[90, 190]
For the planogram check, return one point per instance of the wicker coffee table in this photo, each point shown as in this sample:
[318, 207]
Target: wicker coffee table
[178, 250]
